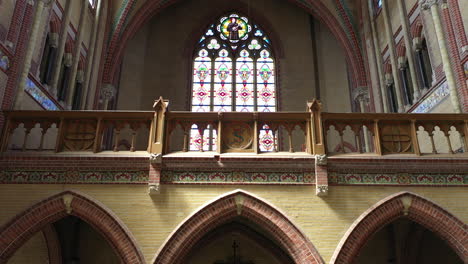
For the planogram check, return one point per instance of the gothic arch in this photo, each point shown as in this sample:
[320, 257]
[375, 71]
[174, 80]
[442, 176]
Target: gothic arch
[123, 34]
[228, 207]
[403, 204]
[24, 225]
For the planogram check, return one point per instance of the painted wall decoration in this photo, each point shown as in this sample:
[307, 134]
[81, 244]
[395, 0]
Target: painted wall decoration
[38, 95]
[437, 96]
[451, 179]
[73, 176]
[237, 177]
[4, 61]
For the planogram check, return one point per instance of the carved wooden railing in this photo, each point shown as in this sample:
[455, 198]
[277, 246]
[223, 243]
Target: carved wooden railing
[162, 131]
[396, 133]
[75, 130]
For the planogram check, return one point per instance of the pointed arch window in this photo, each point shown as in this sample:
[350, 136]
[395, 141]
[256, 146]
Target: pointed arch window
[233, 70]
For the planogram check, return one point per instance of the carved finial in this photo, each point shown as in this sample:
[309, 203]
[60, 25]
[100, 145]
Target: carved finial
[314, 105]
[321, 190]
[153, 188]
[239, 203]
[67, 200]
[160, 103]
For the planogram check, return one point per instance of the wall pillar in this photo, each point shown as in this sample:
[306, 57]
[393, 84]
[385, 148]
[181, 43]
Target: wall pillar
[393, 60]
[432, 5]
[61, 48]
[362, 96]
[77, 54]
[41, 4]
[90, 59]
[409, 51]
[378, 56]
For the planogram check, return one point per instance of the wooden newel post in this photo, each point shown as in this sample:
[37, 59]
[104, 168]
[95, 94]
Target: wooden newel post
[314, 106]
[156, 139]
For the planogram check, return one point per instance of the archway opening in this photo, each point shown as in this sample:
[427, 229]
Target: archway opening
[404, 241]
[237, 242]
[68, 240]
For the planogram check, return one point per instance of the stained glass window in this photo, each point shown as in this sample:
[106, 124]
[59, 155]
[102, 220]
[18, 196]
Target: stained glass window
[233, 70]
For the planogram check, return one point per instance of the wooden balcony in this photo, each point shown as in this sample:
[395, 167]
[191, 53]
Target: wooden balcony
[185, 133]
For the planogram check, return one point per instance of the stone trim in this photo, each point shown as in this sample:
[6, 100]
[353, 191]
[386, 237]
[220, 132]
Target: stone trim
[24, 225]
[403, 204]
[228, 207]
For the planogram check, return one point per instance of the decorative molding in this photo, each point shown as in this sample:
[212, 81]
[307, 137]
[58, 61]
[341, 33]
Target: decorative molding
[73, 177]
[435, 179]
[431, 101]
[237, 177]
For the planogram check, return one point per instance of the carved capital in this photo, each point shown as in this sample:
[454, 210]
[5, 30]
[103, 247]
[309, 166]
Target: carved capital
[153, 188]
[321, 160]
[427, 4]
[417, 43]
[321, 190]
[361, 93]
[54, 39]
[388, 79]
[108, 91]
[68, 59]
[402, 62]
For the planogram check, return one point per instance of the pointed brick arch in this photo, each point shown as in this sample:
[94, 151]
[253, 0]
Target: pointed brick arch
[403, 204]
[22, 227]
[228, 207]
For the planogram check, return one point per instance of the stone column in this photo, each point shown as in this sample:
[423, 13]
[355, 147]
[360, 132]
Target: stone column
[61, 47]
[77, 54]
[108, 92]
[378, 56]
[409, 51]
[432, 5]
[35, 29]
[393, 59]
[90, 59]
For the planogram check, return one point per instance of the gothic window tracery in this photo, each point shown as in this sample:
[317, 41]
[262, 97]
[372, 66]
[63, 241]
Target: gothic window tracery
[233, 70]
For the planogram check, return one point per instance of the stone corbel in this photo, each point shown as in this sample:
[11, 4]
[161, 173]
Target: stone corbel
[417, 43]
[67, 200]
[361, 93]
[156, 158]
[427, 4]
[321, 160]
[402, 62]
[321, 190]
[388, 79]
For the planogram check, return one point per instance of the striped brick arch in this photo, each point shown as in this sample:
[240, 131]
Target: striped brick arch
[403, 204]
[224, 210]
[22, 227]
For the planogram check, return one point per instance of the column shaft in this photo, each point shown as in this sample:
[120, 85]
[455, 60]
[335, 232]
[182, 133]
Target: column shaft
[61, 48]
[29, 53]
[77, 53]
[409, 49]
[90, 57]
[393, 59]
[378, 56]
[445, 58]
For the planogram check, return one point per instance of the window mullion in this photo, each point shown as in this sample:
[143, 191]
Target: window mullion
[234, 84]
[255, 83]
[212, 70]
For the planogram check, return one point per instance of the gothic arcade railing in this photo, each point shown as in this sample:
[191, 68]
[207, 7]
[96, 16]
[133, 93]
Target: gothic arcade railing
[163, 131]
